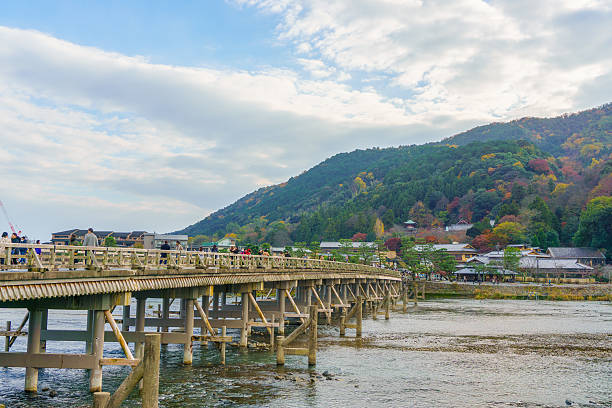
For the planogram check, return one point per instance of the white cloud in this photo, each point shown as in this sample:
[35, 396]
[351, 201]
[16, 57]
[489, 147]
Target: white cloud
[82, 127]
[467, 58]
[95, 137]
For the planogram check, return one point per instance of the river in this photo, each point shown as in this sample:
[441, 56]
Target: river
[443, 353]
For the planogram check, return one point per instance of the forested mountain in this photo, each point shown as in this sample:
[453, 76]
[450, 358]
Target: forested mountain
[531, 177]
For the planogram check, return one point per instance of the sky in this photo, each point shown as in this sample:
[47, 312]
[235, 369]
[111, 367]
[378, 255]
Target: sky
[150, 115]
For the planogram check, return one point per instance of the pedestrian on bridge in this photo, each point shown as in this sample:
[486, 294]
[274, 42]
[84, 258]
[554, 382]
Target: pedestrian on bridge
[4, 240]
[90, 239]
[15, 251]
[164, 247]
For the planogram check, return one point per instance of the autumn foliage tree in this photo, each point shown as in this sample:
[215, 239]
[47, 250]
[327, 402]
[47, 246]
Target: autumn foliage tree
[539, 166]
[359, 237]
[595, 229]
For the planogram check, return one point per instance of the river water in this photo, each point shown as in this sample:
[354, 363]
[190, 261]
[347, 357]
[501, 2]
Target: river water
[443, 353]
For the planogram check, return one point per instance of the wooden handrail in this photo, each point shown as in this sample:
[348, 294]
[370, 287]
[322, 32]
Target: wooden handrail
[45, 257]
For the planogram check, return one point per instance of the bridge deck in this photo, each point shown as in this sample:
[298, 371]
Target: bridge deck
[30, 272]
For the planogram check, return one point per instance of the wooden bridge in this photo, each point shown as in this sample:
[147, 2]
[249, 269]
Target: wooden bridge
[268, 293]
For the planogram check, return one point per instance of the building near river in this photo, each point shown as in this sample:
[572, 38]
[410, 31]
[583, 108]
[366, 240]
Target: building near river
[328, 246]
[122, 239]
[155, 241]
[586, 256]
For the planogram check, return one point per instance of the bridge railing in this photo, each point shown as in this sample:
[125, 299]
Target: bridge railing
[44, 257]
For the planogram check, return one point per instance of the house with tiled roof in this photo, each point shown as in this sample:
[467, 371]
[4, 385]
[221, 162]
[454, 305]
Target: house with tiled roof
[586, 256]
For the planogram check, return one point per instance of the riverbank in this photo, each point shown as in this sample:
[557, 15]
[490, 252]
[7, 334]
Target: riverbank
[438, 289]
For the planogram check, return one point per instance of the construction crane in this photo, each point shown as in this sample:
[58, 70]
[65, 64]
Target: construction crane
[8, 219]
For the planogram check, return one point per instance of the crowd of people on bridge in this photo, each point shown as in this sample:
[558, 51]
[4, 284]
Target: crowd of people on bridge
[15, 239]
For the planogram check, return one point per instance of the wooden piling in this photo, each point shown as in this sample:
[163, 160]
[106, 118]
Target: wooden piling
[280, 350]
[342, 322]
[101, 399]
[312, 336]
[150, 377]
[147, 372]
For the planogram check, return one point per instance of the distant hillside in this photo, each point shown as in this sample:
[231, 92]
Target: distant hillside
[577, 134]
[489, 172]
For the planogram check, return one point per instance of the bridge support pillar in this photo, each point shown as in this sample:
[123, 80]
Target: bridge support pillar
[328, 292]
[31, 377]
[245, 319]
[215, 305]
[125, 326]
[43, 326]
[95, 375]
[141, 304]
[165, 311]
[188, 346]
[281, 294]
[89, 340]
[205, 306]
[359, 316]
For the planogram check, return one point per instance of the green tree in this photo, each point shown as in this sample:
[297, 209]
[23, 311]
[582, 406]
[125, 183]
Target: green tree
[421, 215]
[299, 249]
[508, 233]
[110, 242]
[366, 252]
[511, 258]
[595, 228]
[346, 248]
[315, 248]
[443, 263]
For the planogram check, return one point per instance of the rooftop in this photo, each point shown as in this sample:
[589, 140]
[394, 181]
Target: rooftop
[337, 245]
[571, 252]
[551, 263]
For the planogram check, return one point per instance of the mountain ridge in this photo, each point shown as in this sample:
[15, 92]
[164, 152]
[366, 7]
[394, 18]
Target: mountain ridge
[558, 152]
